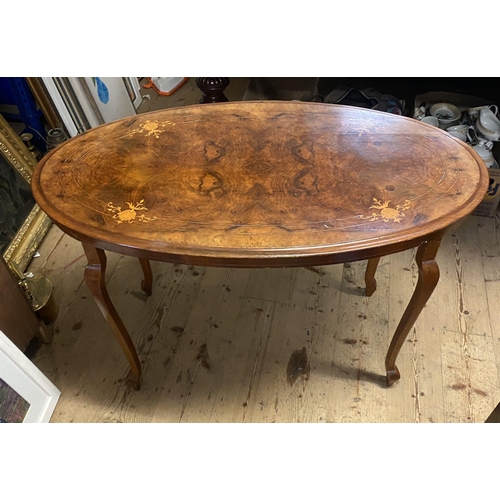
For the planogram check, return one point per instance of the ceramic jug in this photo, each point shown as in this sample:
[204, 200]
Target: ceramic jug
[488, 125]
[483, 149]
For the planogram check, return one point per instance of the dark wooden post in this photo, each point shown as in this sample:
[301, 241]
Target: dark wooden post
[213, 89]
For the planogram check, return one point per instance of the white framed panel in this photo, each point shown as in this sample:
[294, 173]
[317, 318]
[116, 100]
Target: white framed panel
[133, 86]
[111, 97]
[60, 106]
[21, 375]
[84, 101]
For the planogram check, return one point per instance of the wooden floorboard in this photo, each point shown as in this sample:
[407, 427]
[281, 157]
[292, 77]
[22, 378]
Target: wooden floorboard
[280, 345]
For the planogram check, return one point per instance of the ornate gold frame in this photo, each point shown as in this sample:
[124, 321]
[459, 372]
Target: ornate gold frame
[27, 239]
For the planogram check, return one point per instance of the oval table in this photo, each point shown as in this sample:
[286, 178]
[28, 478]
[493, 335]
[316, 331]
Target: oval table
[260, 184]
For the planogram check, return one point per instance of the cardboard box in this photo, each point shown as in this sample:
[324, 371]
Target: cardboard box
[488, 207]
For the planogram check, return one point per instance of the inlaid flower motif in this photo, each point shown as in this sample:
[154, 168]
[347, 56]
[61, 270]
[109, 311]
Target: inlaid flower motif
[130, 214]
[151, 128]
[387, 213]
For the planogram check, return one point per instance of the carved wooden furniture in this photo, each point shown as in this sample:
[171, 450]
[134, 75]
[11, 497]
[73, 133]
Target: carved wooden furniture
[260, 184]
[212, 88]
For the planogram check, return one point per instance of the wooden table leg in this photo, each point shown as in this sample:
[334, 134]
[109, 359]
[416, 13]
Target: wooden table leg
[428, 277]
[95, 280]
[370, 281]
[147, 282]
[494, 418]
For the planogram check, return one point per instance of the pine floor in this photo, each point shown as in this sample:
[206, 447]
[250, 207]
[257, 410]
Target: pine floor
[277, 345]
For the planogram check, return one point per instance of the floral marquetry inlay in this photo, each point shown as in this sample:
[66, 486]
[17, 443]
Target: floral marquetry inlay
[129, 215]
[387, 213]
[151, 128]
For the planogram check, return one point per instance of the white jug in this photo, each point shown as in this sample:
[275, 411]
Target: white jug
[483, 149]
[488, 125]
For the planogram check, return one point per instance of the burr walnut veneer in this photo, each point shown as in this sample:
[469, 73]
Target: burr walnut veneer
[260, 184]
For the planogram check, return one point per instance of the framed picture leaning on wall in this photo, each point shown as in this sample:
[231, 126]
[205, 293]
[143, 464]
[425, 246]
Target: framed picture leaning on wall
[26, 394]
[22, 224]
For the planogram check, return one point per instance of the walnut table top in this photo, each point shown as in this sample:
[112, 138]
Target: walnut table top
[267, 181]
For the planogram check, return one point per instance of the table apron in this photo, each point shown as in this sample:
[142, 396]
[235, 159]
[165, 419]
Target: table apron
[276, 261]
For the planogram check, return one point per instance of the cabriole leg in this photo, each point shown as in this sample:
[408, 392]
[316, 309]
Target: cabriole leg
[370, 281]
[95, 280]
[428, 277]
[147, 282]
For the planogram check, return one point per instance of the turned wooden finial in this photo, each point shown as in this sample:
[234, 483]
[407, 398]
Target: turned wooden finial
[212, 88]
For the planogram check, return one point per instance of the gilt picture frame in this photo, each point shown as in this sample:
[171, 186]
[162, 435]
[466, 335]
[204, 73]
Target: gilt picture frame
[26, 394]
[28, 236]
